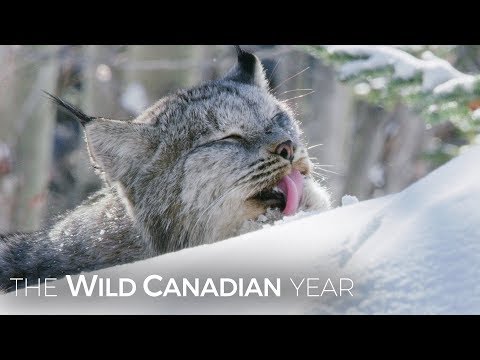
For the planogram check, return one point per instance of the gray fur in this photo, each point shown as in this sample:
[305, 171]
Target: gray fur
[172, 182]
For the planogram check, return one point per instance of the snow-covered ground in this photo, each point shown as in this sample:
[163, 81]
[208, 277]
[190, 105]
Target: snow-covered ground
[417, 251]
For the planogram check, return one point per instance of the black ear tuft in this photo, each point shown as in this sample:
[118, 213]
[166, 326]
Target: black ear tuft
[71, 109]
[248, 69]
[247, 62]
[239, 49]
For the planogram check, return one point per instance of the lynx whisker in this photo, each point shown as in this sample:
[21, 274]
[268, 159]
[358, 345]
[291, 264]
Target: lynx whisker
[322, 164]
[273, 71]
[295, 90]
[298, 97]
[290, 78]
[328, 171]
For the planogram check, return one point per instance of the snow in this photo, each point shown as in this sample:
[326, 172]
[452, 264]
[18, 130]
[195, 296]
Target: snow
[465, 82]
[476, 114]
[377, 57]
[362, 89]
[349, 200]
[438, 75]
[376, 175]
[415, 252]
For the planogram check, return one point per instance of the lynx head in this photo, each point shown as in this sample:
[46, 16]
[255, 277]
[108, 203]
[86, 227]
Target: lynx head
[200, 162]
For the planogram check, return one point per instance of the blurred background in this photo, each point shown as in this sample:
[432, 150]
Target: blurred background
[363, 149]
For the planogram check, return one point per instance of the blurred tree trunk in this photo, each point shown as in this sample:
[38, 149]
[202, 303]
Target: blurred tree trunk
[215, 61]
[30, 133]
[330, 122]
[8, 179]
[102, 82]
[161, 69]
[405, 141]
[364, 170]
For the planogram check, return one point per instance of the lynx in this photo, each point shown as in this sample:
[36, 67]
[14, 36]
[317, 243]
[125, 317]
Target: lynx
[192, 169]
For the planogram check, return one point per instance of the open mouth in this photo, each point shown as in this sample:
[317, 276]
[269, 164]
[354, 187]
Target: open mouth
[286, 195]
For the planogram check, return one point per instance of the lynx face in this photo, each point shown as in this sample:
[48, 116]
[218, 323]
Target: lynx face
[199, 163]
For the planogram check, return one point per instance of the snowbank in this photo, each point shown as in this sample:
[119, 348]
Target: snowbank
[413, 252]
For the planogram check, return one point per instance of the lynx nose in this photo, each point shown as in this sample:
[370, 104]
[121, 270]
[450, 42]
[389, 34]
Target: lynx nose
[285, 150]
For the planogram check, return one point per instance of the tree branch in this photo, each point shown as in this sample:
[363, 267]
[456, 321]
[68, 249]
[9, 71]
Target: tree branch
[431, 85]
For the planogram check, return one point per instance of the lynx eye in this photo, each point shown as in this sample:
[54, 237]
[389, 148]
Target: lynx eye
[275, 118]
[281, 119]
[234, 137]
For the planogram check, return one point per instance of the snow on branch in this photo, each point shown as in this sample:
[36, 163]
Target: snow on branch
[386, 73]
[433, 70]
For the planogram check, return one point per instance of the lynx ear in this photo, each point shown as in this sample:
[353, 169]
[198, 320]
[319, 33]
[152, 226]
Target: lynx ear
[119, 148]
[248, 70]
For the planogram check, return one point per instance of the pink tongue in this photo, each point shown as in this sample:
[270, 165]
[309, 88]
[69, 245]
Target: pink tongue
[292, 187]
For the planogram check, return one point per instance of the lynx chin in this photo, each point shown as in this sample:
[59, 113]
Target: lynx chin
[198, 166]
